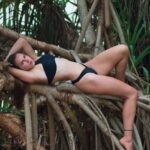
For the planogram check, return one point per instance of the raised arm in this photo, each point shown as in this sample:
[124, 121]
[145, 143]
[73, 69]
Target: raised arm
[22, 45]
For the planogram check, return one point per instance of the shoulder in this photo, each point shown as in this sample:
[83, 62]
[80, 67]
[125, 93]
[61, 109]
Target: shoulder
[44, 57]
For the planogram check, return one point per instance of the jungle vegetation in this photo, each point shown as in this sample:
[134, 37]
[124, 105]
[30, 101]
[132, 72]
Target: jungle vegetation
[61, 117]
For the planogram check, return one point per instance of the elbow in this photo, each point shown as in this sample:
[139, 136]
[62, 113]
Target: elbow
[22, 41]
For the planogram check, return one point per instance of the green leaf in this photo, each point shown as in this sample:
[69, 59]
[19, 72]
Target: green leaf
[140, 58]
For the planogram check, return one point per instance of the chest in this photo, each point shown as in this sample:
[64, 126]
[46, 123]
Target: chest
[40, 73]
[46, 67]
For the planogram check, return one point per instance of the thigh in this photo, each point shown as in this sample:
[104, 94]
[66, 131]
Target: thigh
[100, 84]
[104, 62]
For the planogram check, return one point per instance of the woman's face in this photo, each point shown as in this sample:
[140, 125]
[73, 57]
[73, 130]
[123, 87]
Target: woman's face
[24, 62]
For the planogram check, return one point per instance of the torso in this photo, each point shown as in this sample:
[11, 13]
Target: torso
[65, 70]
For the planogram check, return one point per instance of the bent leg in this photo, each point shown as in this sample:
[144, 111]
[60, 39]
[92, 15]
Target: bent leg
[99, 84]
[115, 57]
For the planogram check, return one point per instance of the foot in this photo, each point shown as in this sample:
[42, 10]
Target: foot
[126, 143]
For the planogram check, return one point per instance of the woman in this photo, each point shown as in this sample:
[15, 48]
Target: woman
[89, 77]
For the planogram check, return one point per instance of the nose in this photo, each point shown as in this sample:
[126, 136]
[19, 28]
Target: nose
[26, 60]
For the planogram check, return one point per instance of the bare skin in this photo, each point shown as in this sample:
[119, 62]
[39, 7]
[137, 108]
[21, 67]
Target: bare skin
[115, 57]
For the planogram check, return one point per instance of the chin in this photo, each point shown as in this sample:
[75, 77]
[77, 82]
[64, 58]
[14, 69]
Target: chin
[27, 69]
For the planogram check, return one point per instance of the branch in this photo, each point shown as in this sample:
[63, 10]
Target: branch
[78, 100]
[57, 50]
[114, 15]
[83, 11]
[28, 123]
[86, 23]
[45, 90]
[11, 125]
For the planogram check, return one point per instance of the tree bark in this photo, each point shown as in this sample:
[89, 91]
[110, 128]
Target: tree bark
[86, 23]
[57, 50]
[83, 12]
[11, 124]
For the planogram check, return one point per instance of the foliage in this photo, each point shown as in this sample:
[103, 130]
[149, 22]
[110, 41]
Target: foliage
[44, 20]
[134, 19]
[48, 21]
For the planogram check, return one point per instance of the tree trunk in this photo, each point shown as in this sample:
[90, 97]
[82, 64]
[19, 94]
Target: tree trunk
[83, 12]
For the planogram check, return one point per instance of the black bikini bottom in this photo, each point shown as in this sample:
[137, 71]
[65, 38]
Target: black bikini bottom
[85, 71]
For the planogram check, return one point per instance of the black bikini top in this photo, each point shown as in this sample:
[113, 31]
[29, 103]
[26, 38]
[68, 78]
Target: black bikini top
[49, 66]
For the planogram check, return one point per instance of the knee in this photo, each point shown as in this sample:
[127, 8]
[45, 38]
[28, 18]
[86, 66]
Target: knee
[124, 50]
[133, 93]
